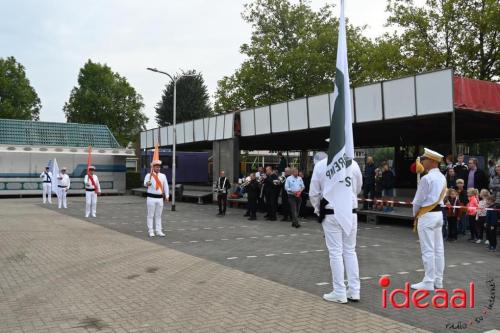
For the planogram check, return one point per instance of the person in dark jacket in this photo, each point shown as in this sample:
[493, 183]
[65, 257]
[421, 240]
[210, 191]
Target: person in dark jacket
[476, 178]
[460, 167]
[285, 206]
[253, 192]
[283, 163]
[271, 191]
[451, 178]
[305, 195]
[491, 223]
[369, 183]
[388, 181]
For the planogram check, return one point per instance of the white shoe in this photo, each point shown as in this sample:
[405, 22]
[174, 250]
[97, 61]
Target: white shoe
[93, 215]
[438, 284]
[159, 233]
[332, 297]
[423, 285]
[478, 241]
[151, 234]
[486, 242]
[86, 216]
[353, 296]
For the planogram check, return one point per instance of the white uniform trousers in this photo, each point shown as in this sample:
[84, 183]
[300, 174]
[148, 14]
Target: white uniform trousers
[47, 192]
[155, 208]
[342, 252]
[61, 197]
[90, 203]
[431, 243]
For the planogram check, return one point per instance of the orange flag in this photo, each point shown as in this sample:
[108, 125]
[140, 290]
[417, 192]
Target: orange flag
[156, 157]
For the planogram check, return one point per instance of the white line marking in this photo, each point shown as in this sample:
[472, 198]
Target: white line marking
[209, 240]
[254, 237]
[193, 241]
[176, 242]
[451, 266]
[207, 228]
[168, 229]
[377, 227]
[322, 283]
[280, 236]
[251, 256]
[293, 234]
[304, 252]
[368, 228]
[363, 246]
[139, 231]
[287, 253]
[420, 270]
[220, 227]
[223, 239]
[465, 263]
[306, 234]
[319, 250]
[402, 273]
[376, 245]
[270, 255]
[366, 278]
[232, 258]
[244, 226]
[480, 262]
[240, 238]
[267, 236]
[381, 275]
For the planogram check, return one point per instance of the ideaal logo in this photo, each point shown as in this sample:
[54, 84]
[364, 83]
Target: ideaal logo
[459, 298]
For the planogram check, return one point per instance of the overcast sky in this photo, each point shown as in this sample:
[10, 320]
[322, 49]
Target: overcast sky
[54, 38]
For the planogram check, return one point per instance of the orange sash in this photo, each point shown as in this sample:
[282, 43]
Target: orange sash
[157, 181]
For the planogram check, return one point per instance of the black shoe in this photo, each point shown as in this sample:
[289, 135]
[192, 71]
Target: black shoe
[220, 214]
[246, 214]
[297, 226]
[252, 218]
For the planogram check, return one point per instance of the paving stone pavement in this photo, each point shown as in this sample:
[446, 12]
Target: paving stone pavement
[60, 274]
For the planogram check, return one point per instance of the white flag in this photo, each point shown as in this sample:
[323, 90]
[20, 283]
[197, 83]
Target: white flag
[54, 168]
[338, 188]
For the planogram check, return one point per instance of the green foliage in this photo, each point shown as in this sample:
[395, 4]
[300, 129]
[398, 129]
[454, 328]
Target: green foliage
[105, 97]
[291, 54]
[192, 100]
[18, 99]
[463, 34]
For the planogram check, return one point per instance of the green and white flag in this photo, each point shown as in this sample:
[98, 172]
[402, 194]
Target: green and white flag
[338, 187]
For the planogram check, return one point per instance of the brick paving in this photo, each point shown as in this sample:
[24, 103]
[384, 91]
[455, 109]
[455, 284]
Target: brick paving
[59, 273]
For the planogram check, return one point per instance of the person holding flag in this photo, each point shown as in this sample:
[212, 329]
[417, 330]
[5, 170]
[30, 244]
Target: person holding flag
[338, 180]
[427, 210]
[92, 190]
[157, 193]
[92, 187]
[46, 177]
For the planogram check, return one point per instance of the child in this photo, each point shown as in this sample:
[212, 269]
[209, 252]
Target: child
[472, 206]
[453, 214]
[481, 215]
[491, 224]
[462, 197]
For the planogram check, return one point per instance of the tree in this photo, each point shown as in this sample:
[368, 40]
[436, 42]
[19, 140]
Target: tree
[463, 34]
[105, 97]
[192, 100]
[291, 54]
[18, 99]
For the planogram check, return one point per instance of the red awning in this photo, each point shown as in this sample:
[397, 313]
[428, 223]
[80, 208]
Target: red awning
[476, 95]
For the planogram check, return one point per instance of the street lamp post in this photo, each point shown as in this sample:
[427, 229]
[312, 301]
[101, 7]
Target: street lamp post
[174, 80]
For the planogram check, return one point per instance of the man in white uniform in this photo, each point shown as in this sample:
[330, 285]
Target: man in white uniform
[341, 246]
[427, 209]
[92, 189]
[46, 177]
[157, 193]
[63, 183]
